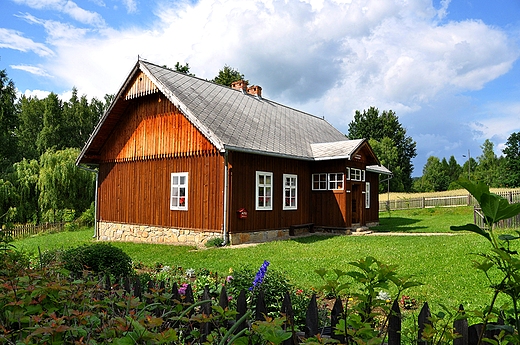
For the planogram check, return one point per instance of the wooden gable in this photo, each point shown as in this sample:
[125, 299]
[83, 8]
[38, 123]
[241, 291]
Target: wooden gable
[141, 86]
[365, 155]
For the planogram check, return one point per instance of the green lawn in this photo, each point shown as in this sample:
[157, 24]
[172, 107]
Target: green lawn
[443, 263]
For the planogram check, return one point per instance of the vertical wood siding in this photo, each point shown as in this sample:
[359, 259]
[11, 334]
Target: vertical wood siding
[153, 140]
[331, 208]
[323, 208]
[138, 192]
[152, 127]
[243, 169]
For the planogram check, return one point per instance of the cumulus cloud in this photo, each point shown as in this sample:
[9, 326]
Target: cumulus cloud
[327, 57]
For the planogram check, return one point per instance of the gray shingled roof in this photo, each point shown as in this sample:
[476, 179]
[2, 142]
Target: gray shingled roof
[233, 120]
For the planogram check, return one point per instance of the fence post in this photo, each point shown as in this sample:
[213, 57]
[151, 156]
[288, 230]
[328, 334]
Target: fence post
[137, 287]
[422, 321]
[461, 328]
[205, 327]
[261, 310]
[176, 296]
[241, 309]
[189, 295]
[223, 299]
[311, 318]
[394, 324]
[287, 309]
[335, 315]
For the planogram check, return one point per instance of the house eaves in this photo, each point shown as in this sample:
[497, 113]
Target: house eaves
[335, 150]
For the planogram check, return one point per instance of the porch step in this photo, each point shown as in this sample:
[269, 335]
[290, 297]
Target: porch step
[362, 230]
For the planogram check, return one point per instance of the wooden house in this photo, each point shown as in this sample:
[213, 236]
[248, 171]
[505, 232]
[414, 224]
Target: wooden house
[181, 159]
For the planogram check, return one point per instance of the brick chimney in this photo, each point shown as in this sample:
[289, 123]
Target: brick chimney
[255, 90]
[239, 85]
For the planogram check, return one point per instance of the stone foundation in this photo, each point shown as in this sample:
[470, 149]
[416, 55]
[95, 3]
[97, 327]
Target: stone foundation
[155, 234]
[259, 236]
[152, 234]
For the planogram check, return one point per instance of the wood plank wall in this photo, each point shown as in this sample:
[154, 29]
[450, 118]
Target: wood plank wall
[151, 141]
[243, 169]
[152, 128]
[138, 192]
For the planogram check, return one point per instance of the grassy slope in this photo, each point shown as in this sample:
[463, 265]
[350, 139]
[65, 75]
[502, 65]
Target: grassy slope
[442, 263]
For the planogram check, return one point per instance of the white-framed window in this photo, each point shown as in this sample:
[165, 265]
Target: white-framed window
[290, 192]
[264, 190]
[327, 181]
[335, 181]
[319, 181]
[367, 194]
[356, 174]
[179, 191]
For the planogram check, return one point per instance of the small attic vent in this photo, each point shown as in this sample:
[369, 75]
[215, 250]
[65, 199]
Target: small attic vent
[142, 86]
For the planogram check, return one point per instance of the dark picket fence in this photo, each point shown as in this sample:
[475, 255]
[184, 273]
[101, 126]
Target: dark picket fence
[469, 335]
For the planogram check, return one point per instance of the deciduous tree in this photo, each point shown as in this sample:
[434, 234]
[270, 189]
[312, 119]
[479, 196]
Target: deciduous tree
[512, 160]
[62, 185]
[8, 122]
[371, 124]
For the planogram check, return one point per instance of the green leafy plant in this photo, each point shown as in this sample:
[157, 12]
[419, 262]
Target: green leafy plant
[501, 265]
[366, 313]
[213, 242]
[99, 258]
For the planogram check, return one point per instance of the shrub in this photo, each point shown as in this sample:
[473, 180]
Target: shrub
[274, 285]
[213, 242]
[99, 258]
[88, 216]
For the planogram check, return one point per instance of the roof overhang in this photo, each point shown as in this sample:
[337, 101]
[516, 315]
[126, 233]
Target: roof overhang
[380, 169]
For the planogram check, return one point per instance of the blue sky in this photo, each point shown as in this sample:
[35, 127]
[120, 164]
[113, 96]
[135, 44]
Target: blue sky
[449, 69]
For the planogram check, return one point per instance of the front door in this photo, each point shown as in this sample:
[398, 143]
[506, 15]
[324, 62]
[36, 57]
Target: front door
[356, 203]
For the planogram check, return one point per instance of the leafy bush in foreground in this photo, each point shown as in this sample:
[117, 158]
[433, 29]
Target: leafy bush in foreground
[98, 258]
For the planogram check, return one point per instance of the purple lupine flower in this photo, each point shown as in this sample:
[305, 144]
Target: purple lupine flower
[259, 278]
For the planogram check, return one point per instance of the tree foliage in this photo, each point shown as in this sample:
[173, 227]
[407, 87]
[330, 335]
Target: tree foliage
[62, 186]
[511, 165]
[371, 124]
[185, 69]
[227, 75]
[8, 122]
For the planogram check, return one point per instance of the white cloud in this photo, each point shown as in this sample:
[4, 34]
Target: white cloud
[40, 94]
[32, 69]
[498, 122]
[12, 39]
[68, 7]
[323, 56]
[131, 5]
[56, 30]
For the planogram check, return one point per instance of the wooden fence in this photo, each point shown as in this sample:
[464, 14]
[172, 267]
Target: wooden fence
[445, 201]
[468, 335]
[32, 229]
[511, 223]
